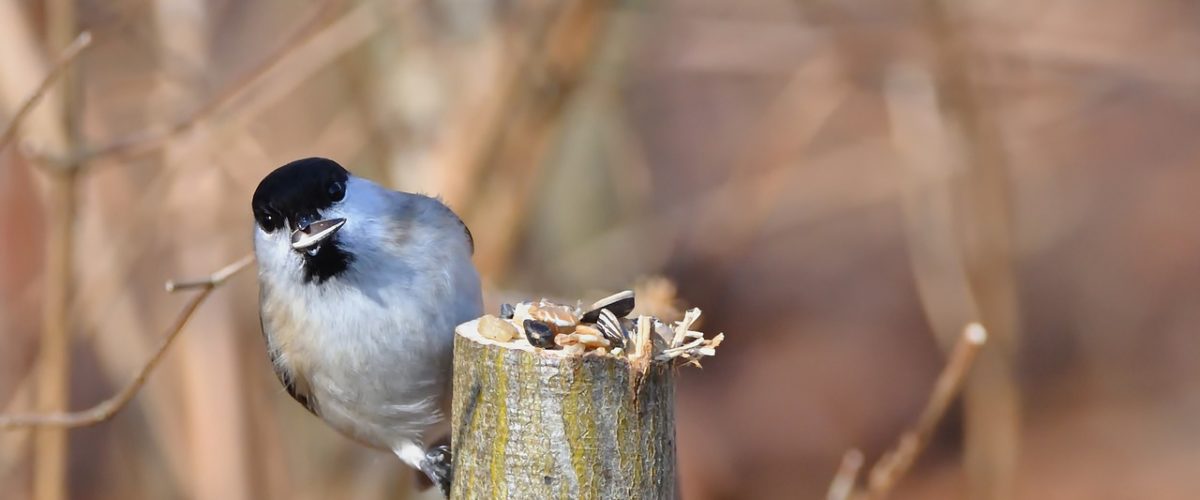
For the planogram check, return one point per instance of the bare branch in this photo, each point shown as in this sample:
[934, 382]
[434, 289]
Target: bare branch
[155, 137]
[895, 463]
[109, 407]
[843, 482]
[213, 280]
[65, 59]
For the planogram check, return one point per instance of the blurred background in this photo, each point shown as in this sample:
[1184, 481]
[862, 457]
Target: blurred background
[840, 186]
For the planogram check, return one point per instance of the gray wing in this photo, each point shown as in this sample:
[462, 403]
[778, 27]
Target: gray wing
[431, 209]
[470, 239]
[294, 383]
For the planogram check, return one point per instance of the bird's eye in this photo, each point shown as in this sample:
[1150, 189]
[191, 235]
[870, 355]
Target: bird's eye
[268, 221]
[337, 190]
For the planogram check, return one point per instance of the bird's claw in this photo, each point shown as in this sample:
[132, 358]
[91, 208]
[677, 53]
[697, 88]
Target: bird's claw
[437, 466]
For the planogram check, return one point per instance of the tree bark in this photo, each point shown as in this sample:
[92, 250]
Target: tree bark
[538, 424]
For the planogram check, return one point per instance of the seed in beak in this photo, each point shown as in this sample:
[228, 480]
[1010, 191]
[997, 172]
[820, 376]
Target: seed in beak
[308, 238]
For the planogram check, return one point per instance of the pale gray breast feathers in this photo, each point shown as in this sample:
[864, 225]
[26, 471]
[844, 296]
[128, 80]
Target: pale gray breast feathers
[382, 331]
[271, 316]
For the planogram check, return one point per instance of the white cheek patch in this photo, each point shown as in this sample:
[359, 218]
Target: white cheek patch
[274, 253]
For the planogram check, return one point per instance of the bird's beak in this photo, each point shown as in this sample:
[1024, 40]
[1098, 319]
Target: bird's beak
[308, 237]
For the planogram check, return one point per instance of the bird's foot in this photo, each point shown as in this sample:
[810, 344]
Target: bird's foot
[437, 466]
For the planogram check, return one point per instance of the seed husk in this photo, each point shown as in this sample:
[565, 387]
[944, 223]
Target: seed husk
[620, 303]
[561, 318]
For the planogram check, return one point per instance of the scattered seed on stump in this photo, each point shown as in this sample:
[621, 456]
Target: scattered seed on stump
[593, 341]
[610, 327]
[507, 311]
[559, 317]
[496, 329]
[539, 334]
[621, 304]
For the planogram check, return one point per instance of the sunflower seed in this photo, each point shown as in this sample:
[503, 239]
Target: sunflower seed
[610, 327]
[539, 334]
[621, 304]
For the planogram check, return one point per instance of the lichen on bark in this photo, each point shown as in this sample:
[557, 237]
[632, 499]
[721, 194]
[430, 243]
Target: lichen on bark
[535, 424]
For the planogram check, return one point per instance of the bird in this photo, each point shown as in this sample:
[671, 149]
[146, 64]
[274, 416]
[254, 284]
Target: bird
[360, 289]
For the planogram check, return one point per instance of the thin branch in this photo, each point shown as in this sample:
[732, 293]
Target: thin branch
[68, 55]
[153, 138]
[843, 482]
[214, 279]
[518, 139]
[895, 463]
[53, 389]
[109, 407]
[991, 410]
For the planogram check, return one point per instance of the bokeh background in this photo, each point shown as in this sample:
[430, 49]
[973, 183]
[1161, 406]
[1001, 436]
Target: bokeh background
[840, 186]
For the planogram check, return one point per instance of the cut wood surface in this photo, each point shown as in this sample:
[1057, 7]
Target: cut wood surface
[533, 423]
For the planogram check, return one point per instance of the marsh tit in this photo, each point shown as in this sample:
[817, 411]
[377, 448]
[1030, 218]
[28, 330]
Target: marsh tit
[360, 290]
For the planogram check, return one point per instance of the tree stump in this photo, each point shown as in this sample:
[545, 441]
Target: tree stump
[535, 423]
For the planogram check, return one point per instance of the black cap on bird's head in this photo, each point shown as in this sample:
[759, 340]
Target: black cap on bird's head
[298, 190]
[293, 198]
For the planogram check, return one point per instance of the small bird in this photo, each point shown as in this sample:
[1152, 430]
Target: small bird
[360, 290]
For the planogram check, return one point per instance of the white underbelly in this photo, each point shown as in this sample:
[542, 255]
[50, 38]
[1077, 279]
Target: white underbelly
[384, 387]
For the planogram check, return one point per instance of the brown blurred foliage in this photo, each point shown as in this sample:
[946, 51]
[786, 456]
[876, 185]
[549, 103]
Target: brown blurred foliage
[836, 184]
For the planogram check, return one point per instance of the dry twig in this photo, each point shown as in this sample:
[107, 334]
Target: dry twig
[895, 463]
[213, 279]
[518, 139]
[65, 59]
[991, 414]
[54, 356]
[843, 482]
[109, 407]
[155, 137]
